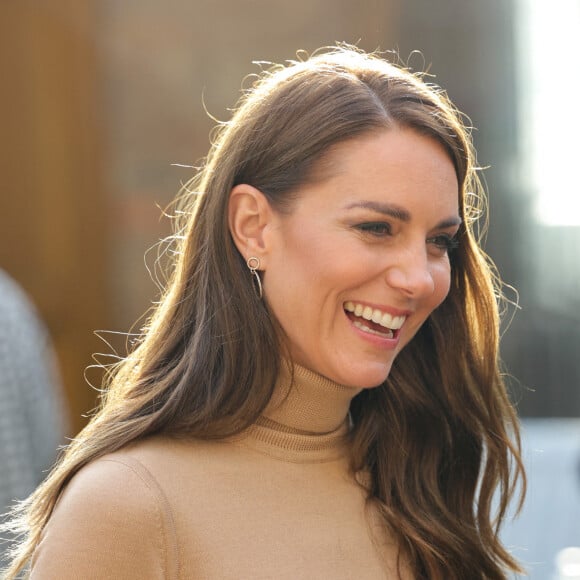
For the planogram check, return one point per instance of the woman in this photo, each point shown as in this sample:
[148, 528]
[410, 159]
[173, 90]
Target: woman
[317, 394]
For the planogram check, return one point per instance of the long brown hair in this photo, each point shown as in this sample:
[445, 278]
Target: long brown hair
[436, 437]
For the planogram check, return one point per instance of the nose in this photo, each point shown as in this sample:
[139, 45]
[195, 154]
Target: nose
[411, 274]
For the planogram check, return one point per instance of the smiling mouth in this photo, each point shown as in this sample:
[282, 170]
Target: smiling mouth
[373, 320]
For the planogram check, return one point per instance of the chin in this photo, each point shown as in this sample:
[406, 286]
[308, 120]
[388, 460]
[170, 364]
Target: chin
[364, 376]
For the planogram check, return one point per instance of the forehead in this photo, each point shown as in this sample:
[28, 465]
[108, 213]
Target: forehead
[390, 159]
[390, 139]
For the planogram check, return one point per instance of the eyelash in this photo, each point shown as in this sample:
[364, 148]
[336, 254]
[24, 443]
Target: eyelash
[444, 242]
[378, 229]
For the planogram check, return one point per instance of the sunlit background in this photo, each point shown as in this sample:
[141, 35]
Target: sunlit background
[102, 106]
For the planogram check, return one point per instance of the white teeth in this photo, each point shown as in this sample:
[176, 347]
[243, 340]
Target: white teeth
[385, 319]
[394, 322]
[365, 328]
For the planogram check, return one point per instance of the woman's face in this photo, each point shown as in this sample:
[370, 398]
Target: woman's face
[362, 260]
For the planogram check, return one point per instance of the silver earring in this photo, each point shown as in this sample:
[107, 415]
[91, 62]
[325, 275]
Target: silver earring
[253, 264]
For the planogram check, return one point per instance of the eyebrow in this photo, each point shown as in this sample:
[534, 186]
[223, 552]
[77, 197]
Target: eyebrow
[399, 213]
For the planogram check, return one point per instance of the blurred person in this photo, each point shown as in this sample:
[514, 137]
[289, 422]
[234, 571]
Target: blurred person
[317, 394]
[32, 419]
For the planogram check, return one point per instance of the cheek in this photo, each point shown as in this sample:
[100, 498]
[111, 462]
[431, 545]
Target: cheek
[442, 283]
[293, 278]
[320, 259]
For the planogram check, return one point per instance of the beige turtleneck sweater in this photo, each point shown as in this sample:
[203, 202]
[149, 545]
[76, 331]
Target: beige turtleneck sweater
[278, 502]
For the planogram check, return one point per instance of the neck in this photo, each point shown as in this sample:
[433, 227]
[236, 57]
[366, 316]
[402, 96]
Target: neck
[307, 402]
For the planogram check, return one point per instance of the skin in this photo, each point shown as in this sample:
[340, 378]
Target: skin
[375, 232]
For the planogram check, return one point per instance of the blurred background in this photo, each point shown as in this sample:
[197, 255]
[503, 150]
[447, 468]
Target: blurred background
[102, 105]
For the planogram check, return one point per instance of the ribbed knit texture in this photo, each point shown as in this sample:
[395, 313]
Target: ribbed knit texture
[277, 501]
[306, 420]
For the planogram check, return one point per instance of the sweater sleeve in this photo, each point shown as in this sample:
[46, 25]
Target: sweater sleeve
[112, 521]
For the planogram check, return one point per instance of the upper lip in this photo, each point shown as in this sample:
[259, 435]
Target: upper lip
[386, 316]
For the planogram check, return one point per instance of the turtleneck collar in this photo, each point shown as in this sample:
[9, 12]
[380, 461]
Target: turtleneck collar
[307, 402]
[306, 420]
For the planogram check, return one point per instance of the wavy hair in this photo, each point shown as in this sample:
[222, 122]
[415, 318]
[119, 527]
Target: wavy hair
[439, 438]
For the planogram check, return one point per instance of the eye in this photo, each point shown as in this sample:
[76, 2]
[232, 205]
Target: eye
[377, 229]
[444, 243]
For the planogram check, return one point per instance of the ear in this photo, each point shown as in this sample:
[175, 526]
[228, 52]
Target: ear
[250, 217]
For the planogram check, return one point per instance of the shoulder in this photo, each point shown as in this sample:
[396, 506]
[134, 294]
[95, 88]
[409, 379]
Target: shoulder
[115, 477]
[117, 481]
[112, 520]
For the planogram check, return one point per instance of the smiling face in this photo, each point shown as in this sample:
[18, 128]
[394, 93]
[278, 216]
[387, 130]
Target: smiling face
[361, 261]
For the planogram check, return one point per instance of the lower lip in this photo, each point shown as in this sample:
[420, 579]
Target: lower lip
[379, 341]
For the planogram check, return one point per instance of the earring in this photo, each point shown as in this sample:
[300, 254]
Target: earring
[253, 264]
